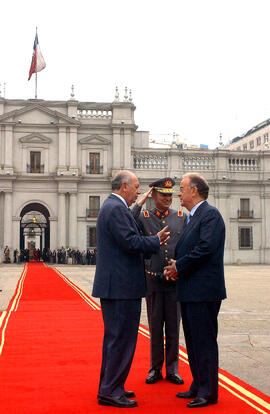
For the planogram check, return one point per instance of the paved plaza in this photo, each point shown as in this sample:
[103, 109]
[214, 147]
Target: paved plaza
[244, 321]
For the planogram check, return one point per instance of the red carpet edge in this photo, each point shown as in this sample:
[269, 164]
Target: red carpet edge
[238, 388]
[13, 306]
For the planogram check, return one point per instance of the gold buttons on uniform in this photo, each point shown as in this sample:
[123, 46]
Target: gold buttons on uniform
[163, 221]
[166, 258]
[166, 251]
[165, 244]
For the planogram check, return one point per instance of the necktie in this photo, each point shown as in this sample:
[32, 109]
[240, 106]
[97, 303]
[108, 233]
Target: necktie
[189, 217]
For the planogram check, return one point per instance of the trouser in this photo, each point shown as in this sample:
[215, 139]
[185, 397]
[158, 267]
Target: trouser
[164, 313]
[200, 329]
[121, 322]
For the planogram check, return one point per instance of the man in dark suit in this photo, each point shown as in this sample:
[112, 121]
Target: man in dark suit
[163, 310]
[120, 284]
[199, 271]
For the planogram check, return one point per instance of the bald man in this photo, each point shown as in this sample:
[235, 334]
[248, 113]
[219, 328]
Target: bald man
[120, 284]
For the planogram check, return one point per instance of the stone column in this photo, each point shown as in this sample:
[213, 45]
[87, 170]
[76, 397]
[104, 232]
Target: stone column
[73, 148]
[53, 233]
[61, 220]
[24, 159]
[2, 146]
[127, 149]
[265, 235]
[16, 233]
[46, 160]
[73, 220]
[62, 147]
[222, 201]
[116, 150]
[84, 161]
[8, 145]
[43, 237]
[8, 220]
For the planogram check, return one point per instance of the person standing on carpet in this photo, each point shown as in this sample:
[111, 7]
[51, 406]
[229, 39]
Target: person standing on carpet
[120, 284]
[199, 270]
[163, 310]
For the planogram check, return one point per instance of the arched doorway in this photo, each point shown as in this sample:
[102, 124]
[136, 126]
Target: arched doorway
[35, 227]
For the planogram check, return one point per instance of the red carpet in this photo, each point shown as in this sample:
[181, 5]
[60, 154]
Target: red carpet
[50, 355]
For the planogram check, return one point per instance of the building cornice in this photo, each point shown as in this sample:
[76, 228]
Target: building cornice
[42, 108]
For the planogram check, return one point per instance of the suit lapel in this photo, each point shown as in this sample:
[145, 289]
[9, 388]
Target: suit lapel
[128, 212]
[134, 221]
[195, 218]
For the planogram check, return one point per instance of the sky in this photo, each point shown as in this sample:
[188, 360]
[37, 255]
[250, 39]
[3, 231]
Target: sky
[196, 68]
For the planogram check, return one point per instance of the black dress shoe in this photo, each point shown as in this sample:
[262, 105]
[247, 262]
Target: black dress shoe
[153, 377]
[187, 394]
[200, 402]
[129, 394]
[121, 402]
[175, 379]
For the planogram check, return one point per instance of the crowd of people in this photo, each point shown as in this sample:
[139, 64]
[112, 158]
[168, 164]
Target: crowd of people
[61, 256]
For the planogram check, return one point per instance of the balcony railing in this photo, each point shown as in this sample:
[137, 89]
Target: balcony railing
[150, 161]
[244, 164]
[245, 214]
[90, 170]
[36, 170]
[92, 212]
[96, 112]
[198, 163]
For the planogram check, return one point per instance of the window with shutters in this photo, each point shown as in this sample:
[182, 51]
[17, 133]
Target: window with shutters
[94, 163]
[245, 238]
[94, 206]
[91, 237]
[35, 163]
[245, 212]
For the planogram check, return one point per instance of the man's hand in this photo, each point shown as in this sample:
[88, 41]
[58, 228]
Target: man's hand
[170, 271]
[163, 235]
[144, 197]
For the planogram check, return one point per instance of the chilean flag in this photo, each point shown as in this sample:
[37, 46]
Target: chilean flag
[38, 62]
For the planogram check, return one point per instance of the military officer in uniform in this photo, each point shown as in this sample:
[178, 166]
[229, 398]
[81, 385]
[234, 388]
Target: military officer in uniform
[163, 311]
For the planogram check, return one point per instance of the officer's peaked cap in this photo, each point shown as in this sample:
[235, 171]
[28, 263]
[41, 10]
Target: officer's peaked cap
[165, 185]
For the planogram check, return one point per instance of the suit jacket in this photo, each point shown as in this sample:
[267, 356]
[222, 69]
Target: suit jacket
[199, 257]
[120, 253]
[150, 224]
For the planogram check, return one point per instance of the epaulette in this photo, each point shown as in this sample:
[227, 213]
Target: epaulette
[146, 214]
[180, 213]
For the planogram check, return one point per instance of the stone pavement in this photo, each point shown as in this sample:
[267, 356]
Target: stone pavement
[244, 321]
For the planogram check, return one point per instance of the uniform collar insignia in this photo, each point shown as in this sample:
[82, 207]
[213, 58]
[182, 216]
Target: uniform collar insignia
[161, 214]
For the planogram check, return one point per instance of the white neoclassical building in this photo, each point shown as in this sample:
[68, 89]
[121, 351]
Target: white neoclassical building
[255, 139]
[57, 159]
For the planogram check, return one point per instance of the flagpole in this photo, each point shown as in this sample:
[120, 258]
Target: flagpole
[36, 87]
[36, 75]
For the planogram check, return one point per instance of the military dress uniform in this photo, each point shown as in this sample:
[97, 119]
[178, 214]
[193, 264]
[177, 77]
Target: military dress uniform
[163, 311]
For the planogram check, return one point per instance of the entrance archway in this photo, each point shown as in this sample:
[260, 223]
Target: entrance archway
[35, 227]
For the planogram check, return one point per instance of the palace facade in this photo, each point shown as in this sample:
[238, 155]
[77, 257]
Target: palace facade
[57, 159]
